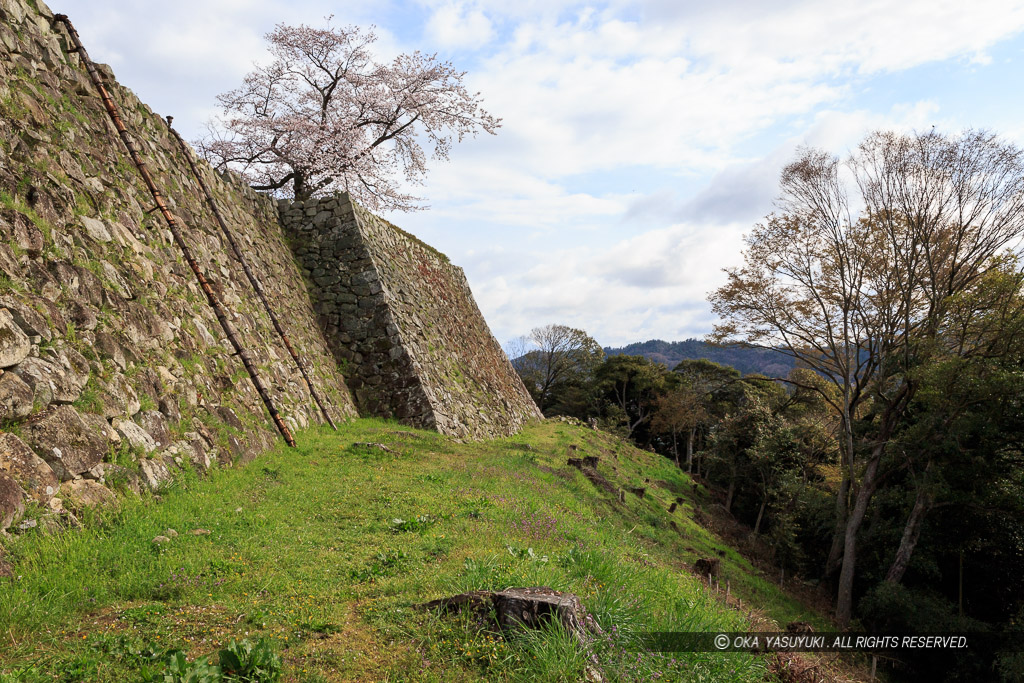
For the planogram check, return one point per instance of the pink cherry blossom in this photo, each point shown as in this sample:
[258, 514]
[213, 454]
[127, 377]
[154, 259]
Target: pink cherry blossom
[323, 116]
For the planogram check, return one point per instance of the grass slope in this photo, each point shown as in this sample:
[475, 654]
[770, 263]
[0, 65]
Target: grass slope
[327, 550]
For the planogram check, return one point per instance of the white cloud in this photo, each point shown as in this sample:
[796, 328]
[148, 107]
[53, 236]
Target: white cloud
[651, 285]
[655, 283]
[640, 139]
[453, 26]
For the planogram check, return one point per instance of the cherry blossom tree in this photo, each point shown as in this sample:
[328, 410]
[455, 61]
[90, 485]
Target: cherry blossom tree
[323, 116]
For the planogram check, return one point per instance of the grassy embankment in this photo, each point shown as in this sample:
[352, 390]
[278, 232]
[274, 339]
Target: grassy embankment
[327, 549]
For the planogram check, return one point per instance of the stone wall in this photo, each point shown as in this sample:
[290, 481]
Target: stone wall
[113, 368]
[403, 320]
[114, 371]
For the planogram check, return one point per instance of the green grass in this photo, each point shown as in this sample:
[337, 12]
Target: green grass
[91, 400]
[327, 549]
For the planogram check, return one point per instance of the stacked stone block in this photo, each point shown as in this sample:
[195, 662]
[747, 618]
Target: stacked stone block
[113, 370]
[402, 320]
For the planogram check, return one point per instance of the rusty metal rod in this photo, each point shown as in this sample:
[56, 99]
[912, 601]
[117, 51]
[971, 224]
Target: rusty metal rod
[257, 287]
[211, 297]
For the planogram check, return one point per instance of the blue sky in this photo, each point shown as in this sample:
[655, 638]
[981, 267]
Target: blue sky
[640, 140]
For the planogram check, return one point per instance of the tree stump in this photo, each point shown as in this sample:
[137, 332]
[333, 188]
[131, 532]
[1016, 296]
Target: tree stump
[799, 627]
[707, 566]
[521, 608]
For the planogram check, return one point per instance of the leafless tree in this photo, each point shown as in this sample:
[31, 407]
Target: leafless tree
[559, 355]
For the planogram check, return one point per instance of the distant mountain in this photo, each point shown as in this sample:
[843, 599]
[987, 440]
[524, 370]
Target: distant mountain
[746, 360]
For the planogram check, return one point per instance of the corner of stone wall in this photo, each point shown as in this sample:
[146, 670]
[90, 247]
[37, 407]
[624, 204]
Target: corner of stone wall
[352, 309]
[401, 320]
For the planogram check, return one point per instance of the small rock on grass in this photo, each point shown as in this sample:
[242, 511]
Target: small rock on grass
[171, 533]
[160, 540]
[372, 446]
[200, 532]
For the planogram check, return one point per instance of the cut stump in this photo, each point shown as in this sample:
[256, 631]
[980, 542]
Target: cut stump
[519, 608]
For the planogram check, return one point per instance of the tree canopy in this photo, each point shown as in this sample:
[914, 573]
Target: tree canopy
[868, 289]
[323, 116]
[555, 363]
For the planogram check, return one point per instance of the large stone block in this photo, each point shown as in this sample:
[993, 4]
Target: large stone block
[136, 436]
[119, 398]
[58, 378]
[31, 321]
[61, 438]
[12, 501]
[16, 397]
[95, 229]
[14, 343]
[155, 424]
[85, 493]
[38, 375]
[19, 229]
[155, 473]
[19, 462]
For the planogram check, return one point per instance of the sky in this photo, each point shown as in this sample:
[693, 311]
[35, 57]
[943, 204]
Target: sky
[640, 139]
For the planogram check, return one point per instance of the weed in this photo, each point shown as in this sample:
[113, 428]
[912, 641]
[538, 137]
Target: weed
[7, 284]
[124, 455]
[146, 401]
[420, 523]
[91, 399]
[386, 563]
[179, 670]
[525, 554]
[247, 662]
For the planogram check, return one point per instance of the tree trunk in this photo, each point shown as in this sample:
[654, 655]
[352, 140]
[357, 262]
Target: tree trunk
[844, 599]
[732, 490]
[911, 534]
[675, 449]
[835, 553]
[300, 188]
[760, 515]
[843, 496]
[690, 436]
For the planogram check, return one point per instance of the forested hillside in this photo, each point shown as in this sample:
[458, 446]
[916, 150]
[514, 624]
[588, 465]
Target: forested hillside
[748, 360]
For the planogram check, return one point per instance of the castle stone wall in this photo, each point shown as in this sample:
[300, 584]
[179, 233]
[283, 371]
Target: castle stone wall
[113, 368]
[114, 371]
[403, 320]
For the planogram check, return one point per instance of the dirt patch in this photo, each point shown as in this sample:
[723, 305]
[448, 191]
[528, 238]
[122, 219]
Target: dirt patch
[560, 473]
[598, 480]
